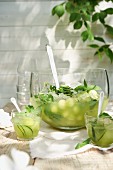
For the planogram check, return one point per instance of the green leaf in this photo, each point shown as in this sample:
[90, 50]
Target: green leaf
[93, 87]
[45, 98]
[98, 53]
[86, 24]
[53, 11]
[29, 108]
[78, 24]
[84, 35]
[102, 48]
[54, 8]
[109, 53]
[79, 88]
[55, 117]
[86, 17]
[95, 17]
[109, 10]
[102, 16]
[85, 142]
[93, 45]
[86, 87]
[105, 46]
[85, 83]
[70, 7]
[59, 10]
[74, 16]
[99, 39]
[104, 114]
[107, 50]
[109, 29]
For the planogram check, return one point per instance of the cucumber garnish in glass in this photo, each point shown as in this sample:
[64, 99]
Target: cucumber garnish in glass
[26, 124]
[100, 130]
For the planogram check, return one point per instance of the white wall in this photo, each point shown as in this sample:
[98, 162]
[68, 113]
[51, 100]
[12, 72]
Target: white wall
[25, 29]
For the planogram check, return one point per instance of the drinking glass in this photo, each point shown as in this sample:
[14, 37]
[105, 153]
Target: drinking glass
[26, 125]
[68, 112]
[34, 83]
[24, 88]
[26, 66]
[23, 95]
[100, 130]
[24, 78]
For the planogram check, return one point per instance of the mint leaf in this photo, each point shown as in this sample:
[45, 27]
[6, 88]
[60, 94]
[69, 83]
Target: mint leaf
[45, 98]
[104, 115]
[85, 83]
[91, 87]
[29, 108]
[92, 104]
[79, 88]
[53, 116]
[85, 142]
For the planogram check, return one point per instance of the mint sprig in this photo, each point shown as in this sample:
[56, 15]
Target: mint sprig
[85, 142]
[48, 92]
[86, 87]
[29, 108]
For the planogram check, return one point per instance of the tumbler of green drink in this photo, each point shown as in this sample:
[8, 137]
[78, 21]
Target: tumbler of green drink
[100, 129]
[26, 125]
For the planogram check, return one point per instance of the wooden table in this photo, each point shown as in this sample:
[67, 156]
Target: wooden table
[90, 160]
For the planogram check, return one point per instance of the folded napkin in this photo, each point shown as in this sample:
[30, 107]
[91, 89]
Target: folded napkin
[5, 119]
[52, 143]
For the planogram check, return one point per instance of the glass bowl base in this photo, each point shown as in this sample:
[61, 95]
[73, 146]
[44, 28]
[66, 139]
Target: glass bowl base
[69, 128]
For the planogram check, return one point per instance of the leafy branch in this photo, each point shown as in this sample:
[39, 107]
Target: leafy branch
[82, 14]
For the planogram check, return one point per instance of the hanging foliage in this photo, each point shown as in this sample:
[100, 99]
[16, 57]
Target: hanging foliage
[83, 13]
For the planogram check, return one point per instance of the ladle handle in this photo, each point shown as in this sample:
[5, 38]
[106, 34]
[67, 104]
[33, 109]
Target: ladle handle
[13, 100]
[52, 64]
[101, 99]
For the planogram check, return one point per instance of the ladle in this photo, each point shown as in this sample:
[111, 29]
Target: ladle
[101, 99]
[13, 100]
[52, 64]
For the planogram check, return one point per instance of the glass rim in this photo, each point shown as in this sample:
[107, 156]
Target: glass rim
[70, 70]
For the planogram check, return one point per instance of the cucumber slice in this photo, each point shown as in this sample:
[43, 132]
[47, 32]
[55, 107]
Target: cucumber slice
[98, 133]
[28, 131]
[19, 130]
[95, 132]
[107, 139]
[24, 131]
